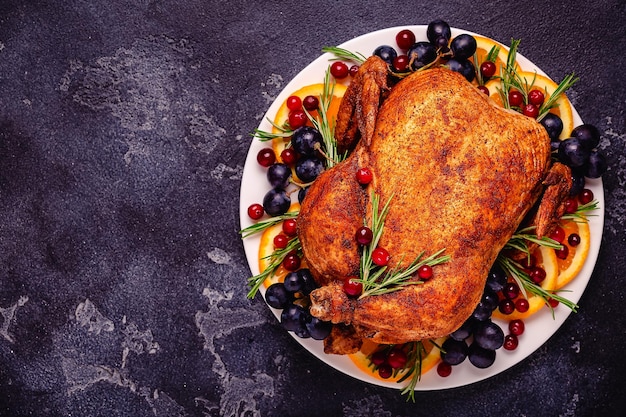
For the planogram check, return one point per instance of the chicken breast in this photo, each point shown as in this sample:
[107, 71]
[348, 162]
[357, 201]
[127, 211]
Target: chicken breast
[461, 173]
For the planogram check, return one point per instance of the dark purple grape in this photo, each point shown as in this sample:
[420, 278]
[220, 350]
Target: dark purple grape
[572, 153]
[463, 46]
[317, 328]
[588, 135]
[553, 125]
[293, 282]
[278, 175]
[302, 194]
[421, 54]
[438, 33]
[276, 202]
[578, 182]
[488, 335]
[482, 312]
[293, 317]
[496, 278]
[307, 169]
[277, 296]
[596, 165]
[308, 280]
[554, 145]
[463, 66]
[386, 53]
[306, 140]
[490, 298]
[464, 331]
[481, 357]
[453, 351]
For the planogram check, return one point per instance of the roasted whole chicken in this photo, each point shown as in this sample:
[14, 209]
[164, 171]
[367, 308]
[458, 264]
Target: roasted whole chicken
[460, 173]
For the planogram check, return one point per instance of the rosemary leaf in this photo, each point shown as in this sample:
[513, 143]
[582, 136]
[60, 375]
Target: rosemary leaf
[261, 226]
[276, 259]
[563, 86]
[344, 54]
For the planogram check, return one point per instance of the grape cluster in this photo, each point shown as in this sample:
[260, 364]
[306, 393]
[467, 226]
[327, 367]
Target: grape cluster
[303, 157]
[479, 337]
[292, 297]
[580, 152]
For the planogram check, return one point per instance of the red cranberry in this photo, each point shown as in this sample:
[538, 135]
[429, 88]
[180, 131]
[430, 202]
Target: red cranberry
[289, 156]
[530, 110]
[484, 89]
[537, 274]
[510, 342]
[280, 241]
[585, 196]
[297, 118]
[571, 205]
[379, 357]
[339, 70]
[515, 98]
[385, 371]
[290, 227]
[364, 176]
[353, 70]
[380, 256]
[266, 157]
[255, 211]
[573, 239]
[506, 306]
[364, 235]
[425, 272]
[401, 63]
[510, 290]
[488, 69]
[562, 253]
[522, 305]
[294, 103]
[291, 262]
[405, 39]
[397, 359]
[311, 103]
[444, 369]
[516, 327]
[558, 234]
[352, 288]
[536, 97]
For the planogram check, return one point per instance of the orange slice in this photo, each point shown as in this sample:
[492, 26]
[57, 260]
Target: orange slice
[573, 263]
[266, 249]
[563, 107]
[282, 115]
[546, 258]
[429, 361]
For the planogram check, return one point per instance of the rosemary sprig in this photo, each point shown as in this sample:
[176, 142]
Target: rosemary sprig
[325, 126]
[519, 239]
[415, 355]
[377, 223]
[344, 54]
[264, 136]
[507, 74]
[261, 226]
[581, 213]
[516, 271]
[378, 280]
[276, 259]
[396, 278]
[563, 86]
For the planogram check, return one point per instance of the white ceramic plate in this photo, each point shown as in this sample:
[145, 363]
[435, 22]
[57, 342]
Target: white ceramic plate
[539, 327]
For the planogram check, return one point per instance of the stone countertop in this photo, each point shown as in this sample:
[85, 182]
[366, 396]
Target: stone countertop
[124, 128]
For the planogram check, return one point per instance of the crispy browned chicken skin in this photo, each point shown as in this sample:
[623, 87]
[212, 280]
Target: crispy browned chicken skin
[463, 173]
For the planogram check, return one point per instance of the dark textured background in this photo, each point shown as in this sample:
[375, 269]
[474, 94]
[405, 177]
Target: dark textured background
[124, 127]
